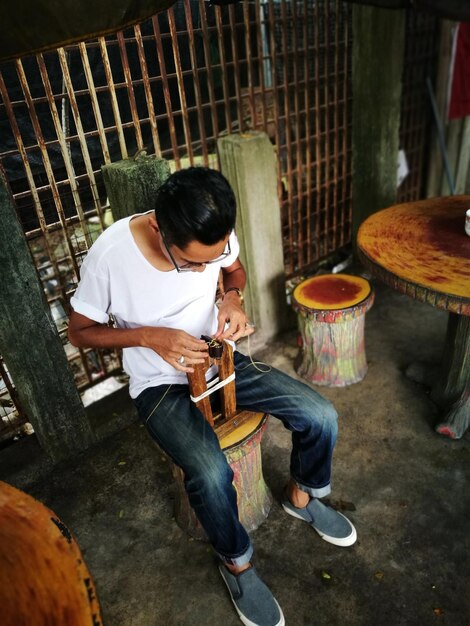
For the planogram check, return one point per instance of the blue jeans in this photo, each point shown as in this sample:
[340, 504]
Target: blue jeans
[182, 432]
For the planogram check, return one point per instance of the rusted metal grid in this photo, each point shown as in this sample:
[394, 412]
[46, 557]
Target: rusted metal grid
[172, 86]
[313, 75]
[13, 422]
[422, 33]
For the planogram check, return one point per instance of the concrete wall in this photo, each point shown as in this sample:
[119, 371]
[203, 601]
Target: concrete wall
[378, 50]
[31, 346]
[249, 162]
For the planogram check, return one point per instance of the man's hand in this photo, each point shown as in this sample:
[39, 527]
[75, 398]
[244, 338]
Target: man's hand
[172, 344]
[231, 312]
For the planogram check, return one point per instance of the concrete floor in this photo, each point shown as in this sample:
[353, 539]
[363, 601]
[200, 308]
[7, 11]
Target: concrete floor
[405, 488]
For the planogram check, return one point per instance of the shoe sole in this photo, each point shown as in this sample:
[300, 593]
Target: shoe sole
[242, 617]
[343, 542]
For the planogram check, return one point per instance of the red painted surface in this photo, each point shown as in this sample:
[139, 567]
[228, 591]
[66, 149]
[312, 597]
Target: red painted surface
[435, 278]
[331, 290]
[447, 234]
[446, 431]
[421, 245]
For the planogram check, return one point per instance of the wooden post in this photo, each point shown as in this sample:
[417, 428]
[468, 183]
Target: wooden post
[378, 49]
[249, 163]
[31, 346]
[227, 393]
[197, 386]
[131, 184]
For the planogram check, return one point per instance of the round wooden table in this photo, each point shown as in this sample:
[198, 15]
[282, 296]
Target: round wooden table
[421, 249]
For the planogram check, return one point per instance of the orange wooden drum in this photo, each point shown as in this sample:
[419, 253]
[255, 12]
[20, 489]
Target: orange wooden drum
[43, 578]
[331, 311]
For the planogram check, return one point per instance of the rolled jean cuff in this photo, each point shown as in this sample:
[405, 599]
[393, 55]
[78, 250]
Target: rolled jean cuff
[243, 559]
[313, 491]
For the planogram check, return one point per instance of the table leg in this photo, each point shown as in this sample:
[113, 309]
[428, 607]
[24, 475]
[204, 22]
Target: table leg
[452, 391]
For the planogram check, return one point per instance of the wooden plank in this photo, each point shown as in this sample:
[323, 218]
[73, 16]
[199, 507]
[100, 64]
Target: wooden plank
[227, 393]
[197, 386]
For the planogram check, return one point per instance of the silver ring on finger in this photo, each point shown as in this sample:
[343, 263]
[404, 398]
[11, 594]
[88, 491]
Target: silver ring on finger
[181, 360]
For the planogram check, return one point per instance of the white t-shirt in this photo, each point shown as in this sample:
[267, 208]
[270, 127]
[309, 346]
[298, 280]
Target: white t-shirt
[116, 278]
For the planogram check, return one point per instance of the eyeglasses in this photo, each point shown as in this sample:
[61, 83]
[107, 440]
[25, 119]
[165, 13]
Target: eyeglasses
[189, 267]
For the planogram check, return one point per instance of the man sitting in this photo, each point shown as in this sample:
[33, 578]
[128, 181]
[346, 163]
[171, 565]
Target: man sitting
[156, 273]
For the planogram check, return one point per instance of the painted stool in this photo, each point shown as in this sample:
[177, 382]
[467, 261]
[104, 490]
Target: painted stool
[239, 433]
[331, 311]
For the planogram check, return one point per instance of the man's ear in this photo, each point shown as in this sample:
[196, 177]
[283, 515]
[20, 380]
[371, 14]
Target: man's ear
[153, 223]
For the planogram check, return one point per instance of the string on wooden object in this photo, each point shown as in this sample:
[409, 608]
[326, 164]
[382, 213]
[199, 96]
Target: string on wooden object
[215, 385]
[158, 404]
[254, 363]
[215, 343]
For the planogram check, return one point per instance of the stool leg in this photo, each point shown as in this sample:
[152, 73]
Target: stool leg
[332, 354]
[254, 497]
[184, 513]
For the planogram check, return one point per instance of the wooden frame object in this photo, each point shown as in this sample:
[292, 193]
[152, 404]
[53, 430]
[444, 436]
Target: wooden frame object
[239, 433]
[229, 417]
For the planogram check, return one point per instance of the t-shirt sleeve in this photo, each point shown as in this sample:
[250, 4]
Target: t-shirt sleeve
[92, 297]
[234, 251]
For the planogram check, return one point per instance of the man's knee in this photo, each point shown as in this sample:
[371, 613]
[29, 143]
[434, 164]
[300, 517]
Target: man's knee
[211, 474]
[321, 414]
[330, 415]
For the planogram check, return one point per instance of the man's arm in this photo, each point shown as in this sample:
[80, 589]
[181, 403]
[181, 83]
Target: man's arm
[169, 343]
[234, 276]
[86, 333]
[231, 310]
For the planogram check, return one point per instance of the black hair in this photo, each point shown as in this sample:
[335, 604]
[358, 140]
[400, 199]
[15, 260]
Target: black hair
[196, 203]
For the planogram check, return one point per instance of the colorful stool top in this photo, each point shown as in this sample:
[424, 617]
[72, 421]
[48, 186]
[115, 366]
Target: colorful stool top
[248, 427]
[337, 294]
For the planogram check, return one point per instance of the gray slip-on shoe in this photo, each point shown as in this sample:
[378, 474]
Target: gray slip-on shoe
[331, 525]
[255, 604]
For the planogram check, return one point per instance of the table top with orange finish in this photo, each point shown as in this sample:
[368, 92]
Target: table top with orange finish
[421, 249]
